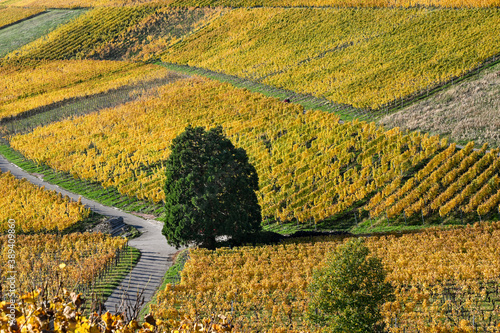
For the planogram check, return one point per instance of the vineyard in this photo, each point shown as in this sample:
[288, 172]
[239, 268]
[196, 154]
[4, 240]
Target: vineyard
[153, 34]
[444, 279]
[75, 260]
[310, 167]
[28, 30]
[33, 85]
[369, 59]
[9, 15]
[93, 93]
[364, 58]
[462, 180]
[36, 209]
[80, 36]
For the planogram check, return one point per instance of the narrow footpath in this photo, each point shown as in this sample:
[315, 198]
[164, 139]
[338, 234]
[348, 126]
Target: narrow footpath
[156, 254]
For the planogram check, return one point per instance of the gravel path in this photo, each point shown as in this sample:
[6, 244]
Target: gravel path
[156, 254]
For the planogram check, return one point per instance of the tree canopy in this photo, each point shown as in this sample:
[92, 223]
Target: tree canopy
[346, 295]
[210, 190]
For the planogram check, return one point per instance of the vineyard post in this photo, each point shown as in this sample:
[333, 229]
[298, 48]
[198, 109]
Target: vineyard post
[422, 212]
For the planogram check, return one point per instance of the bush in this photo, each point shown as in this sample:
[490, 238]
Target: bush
[346, 295]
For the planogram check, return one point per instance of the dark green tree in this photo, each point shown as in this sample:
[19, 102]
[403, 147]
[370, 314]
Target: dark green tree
[346, 294]
[210, 190]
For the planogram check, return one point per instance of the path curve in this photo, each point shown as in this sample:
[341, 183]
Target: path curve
[156, 254]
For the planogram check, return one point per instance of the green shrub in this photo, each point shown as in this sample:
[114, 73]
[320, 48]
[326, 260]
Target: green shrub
[346, 295]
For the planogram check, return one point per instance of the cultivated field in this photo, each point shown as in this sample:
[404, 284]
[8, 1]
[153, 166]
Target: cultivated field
[72, 261]
[364, 58]
[36, 209]
[445, 281]
[93, 93]
[9, 15]
[34, 85]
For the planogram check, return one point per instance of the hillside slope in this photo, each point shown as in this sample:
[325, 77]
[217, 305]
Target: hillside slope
[366, 58]
[468, 111]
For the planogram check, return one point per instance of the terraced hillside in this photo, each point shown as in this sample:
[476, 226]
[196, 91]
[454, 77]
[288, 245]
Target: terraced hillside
[97, 100]
[311, 168]
[32, 86]
[364, 58]
[371, 58]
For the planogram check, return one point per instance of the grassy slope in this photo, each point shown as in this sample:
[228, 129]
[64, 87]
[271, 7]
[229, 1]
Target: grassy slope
[467, 111]
[17, 35]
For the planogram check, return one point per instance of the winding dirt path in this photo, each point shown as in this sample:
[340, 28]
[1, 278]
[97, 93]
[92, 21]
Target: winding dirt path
[156, 254]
